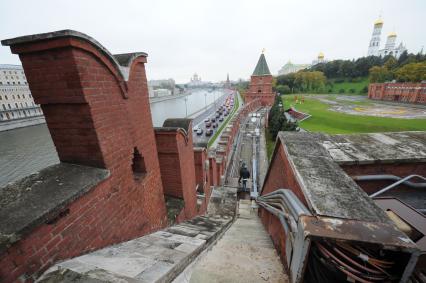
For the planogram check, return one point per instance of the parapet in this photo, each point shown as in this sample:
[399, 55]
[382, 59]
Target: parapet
[42, 198]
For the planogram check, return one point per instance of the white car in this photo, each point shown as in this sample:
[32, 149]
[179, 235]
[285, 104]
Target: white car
[199, 132]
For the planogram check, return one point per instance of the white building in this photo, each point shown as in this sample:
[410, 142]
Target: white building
[390, 45]
[157, 88]
[196, 81]
[289, 67]
[17, 107]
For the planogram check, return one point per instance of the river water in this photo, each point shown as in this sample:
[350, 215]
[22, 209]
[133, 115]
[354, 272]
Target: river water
[27, 150]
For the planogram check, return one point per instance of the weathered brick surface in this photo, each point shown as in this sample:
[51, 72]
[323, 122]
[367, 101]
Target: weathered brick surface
[177, 165]
[96, 119]
[280, 175]
[261, 88]
[400, 92]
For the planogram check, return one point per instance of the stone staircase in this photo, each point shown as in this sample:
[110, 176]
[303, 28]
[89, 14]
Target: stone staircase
[157, 257]
[245, 253]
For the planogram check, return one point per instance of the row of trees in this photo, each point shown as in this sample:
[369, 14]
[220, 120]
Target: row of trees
[412, 72]
[361, 66]
[304, 81]
[407, 68]
[277, 120]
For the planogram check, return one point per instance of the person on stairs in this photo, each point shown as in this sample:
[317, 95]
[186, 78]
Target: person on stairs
[244, 175]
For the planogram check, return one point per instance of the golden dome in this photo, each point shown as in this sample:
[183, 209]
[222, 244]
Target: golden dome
[392, 34]
[321, 55]
[378, 22]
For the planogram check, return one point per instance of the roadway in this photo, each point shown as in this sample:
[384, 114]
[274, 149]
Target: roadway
[198, 121]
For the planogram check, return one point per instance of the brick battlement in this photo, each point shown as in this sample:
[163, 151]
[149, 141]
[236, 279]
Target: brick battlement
[97, 110]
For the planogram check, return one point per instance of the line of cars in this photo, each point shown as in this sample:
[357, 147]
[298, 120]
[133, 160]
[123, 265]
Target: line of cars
[213, 122]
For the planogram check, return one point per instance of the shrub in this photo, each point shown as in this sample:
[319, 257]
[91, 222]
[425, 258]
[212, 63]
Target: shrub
[330, 90]
[364, 89]
[341, 90]
[352, 90]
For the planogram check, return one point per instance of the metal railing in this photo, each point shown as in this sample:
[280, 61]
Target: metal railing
[404, 181]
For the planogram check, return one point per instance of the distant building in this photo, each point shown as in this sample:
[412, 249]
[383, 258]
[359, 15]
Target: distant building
[260, 86]
[399, 92]
[292, 68]
[390, 45]
[195, 81]
[17, 107]
[158, 88]
[320, 59]
[228, 82]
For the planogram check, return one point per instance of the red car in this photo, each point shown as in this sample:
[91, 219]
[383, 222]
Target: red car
[208, 124]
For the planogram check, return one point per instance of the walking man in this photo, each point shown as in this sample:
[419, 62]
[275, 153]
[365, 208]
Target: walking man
[244, 175]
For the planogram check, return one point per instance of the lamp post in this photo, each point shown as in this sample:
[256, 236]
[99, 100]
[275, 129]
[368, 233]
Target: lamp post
[186, 106]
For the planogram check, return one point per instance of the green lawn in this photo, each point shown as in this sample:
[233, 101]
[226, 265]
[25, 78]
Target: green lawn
[347, 86]
[327, 121]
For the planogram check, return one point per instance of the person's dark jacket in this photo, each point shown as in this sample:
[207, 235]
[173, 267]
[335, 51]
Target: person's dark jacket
[244, 174]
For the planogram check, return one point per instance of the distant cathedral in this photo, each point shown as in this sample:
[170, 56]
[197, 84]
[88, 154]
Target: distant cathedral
[390, 46]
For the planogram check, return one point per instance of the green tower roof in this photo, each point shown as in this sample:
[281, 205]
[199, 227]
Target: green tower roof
[261, 67]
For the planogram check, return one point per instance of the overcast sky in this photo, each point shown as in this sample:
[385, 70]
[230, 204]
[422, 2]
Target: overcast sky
[214, 37]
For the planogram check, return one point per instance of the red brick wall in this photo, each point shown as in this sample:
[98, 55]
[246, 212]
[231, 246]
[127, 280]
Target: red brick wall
[261, 88]
[177, 165]
[401, 92]
[280, 175]
[92, 123]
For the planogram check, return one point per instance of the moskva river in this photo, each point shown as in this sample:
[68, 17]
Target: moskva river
[27, 150]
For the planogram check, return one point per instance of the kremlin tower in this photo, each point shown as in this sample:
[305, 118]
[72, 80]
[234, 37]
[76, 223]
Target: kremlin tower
[261, 84]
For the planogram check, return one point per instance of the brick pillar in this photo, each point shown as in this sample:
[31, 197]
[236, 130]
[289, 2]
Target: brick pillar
[213, 171]
[201, 173]
[176, 155]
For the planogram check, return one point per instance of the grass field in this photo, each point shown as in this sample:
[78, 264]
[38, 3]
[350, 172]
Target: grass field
[347, 86]
[327, 121]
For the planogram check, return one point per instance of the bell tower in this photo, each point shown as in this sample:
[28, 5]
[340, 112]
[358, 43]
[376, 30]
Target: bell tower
[373, 48]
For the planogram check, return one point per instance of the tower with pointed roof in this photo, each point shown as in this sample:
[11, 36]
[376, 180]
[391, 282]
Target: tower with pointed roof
[228, 82]
[261, 84]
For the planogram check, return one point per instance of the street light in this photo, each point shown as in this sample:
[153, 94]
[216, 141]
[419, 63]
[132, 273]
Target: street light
[186, 106]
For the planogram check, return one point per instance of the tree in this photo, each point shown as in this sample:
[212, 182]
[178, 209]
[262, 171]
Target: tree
[391, 63]
[413, 72]
[283, 89]
[380, 74]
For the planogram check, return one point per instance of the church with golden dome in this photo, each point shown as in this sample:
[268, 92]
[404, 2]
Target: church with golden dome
[390, 46]
[320, 59]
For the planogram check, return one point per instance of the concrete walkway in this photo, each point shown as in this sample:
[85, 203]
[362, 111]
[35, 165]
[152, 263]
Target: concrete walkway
[244, 254]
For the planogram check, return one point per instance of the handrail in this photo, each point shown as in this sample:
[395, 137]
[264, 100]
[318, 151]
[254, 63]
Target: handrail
[396, 184]
[388, 177]
[285, 205]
